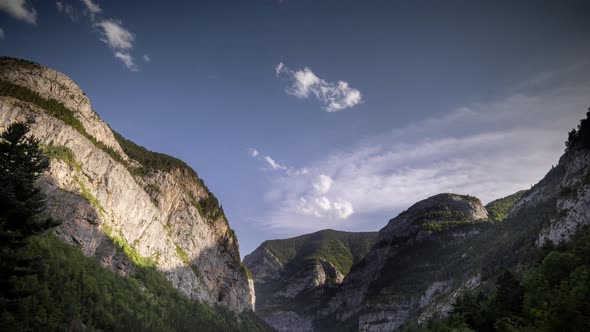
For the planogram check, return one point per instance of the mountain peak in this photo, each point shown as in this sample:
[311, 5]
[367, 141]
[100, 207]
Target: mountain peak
[119, 202]
[437, 212]
[57, 91]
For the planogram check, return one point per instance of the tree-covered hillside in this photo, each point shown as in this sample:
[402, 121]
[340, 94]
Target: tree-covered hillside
[551, 295]
[342, 249]
[69, 291]
[498, 209]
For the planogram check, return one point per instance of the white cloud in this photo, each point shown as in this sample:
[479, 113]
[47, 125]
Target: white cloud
[127, 60]
[305, 84]
[92, 7]
[2, 33]
[19, 10]
[323, 184]
[343, 209]
[274, 165]
[279, 68]
[310, 195]
[253, 153]
[67, 10]
[317, 203]
[120, 40]
[115, 35]
[488, 150]
[322, 207]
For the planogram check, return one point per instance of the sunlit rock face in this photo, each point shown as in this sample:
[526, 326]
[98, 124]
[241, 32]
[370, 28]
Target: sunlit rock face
[106, 210]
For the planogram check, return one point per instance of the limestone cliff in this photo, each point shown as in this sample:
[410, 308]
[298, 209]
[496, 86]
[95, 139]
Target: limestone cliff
[567, 188]
[154, 210]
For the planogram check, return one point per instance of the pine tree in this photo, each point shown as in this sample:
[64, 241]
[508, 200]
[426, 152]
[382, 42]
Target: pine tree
[21, 203]
[509, 295]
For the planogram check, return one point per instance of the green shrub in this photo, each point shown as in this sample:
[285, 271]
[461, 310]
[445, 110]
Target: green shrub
[247, 271]
[498, 210]
[62, 153]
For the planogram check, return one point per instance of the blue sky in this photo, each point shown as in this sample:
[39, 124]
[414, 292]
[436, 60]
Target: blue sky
[302, 115]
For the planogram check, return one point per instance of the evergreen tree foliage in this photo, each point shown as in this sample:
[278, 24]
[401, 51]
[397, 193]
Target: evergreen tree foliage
[21, 202]
[552, 296]
[580, 137]
[21, 164]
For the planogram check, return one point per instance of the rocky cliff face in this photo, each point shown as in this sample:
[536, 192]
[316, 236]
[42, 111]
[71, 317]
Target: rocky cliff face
[401, 273]
[116, 208]
[567, 188]
[293, 275]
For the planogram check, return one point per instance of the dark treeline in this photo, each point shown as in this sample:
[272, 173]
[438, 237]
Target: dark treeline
[553, 295]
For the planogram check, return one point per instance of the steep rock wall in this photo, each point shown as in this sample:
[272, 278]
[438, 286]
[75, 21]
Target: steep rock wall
[106, 209]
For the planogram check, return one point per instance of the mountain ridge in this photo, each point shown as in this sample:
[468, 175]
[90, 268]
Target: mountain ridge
[418, 278]
[444, 246]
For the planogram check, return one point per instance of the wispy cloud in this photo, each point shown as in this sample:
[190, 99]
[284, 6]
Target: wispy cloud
[273, 165]
[127, 60]
[2, 33]
[120, 40]
[67, 10]
[253, 153]
[488, 150]
[93, 8]
[20, 10]
[305, 84]
[115, 35]
[112, 31]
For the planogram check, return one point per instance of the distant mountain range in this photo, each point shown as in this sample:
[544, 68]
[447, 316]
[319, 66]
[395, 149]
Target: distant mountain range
[426, 259]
